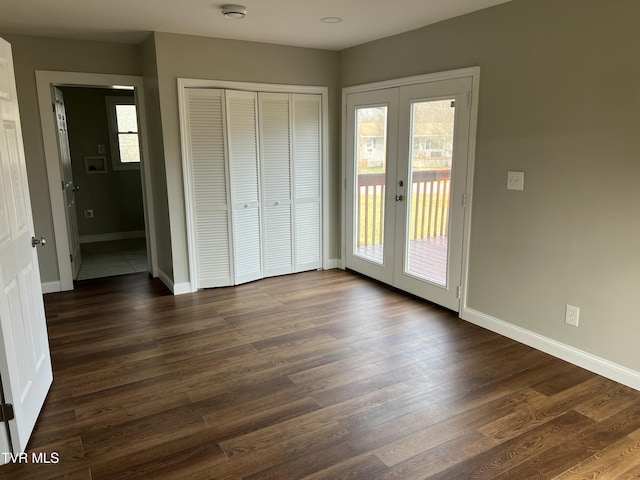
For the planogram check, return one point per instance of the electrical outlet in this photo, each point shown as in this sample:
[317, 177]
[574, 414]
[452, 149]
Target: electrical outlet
[88, 214]
[572, 315]
[515, 181]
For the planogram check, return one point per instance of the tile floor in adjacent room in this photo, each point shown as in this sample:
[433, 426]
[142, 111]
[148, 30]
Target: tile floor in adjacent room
[115, 257]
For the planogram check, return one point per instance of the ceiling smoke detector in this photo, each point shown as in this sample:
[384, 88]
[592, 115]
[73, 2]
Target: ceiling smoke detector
[234, 11]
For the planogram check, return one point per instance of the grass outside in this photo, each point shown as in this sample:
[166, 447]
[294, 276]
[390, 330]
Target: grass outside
[429, 214]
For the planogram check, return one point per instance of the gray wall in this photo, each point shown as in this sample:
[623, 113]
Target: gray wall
[156, 156]
[199, 57]
[114, 196]
[559, 99]
[39, 53]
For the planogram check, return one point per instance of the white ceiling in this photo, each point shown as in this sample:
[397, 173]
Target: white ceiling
[287, 22]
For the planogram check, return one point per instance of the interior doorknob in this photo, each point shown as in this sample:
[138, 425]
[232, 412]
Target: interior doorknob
[75, 188]
[34, 241]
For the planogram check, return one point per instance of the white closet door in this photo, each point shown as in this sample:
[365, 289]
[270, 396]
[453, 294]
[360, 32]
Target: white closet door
[209, 187]
[275, 163]
[242, 139]
[307, 154]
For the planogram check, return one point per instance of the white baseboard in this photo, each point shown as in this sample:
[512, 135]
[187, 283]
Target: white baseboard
[588, 361]
[182, 288]
[107, 237]
[332, 263]
[51, 287]
[177, 288]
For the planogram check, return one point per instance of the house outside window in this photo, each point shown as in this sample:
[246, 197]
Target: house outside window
[123, 130]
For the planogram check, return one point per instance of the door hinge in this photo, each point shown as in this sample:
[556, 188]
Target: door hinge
[464, 200]
[6, 412]
[54, 107]
[62, 184]
[453, 104]
[459, 294]
[470, 98]
[71, 258]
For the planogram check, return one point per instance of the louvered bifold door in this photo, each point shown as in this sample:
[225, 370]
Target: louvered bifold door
[275, 164]
[208, 181]
[242, 138]
[307, 159]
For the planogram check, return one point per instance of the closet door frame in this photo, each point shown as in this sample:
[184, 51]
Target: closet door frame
[323, 92]
[474, 74]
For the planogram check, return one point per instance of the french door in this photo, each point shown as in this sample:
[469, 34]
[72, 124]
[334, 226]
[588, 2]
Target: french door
[407, 160]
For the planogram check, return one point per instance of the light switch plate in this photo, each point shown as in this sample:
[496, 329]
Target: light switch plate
[515, 181]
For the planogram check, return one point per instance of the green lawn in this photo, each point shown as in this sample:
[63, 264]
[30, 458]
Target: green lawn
[430, 217]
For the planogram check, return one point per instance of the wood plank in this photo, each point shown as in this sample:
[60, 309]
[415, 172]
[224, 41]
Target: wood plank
[612, 462]
[541, 412]
[179, 456]
[251, 458]
[365, 466]
[441, 457]
[632, 474]
[504, 456]
[568, 454]
[427, 437]
[614, 399]
[305, 465]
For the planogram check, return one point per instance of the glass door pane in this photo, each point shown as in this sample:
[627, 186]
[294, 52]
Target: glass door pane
[371, 176]
[428, 190]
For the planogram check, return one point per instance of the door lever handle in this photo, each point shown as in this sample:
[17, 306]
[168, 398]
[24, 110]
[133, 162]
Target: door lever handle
[34, 241]
[76, 188]
[399, 198]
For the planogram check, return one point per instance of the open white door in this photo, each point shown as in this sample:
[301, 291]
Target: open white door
[67, 179]
[25, 362]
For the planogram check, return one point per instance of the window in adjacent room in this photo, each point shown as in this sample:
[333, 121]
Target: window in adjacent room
[123, 130]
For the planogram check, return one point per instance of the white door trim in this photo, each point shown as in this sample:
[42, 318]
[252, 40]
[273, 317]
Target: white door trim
[44, 81]
[184, 83]
[474, 73]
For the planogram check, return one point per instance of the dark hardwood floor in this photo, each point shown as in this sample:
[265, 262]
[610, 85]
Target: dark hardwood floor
[321, 375]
